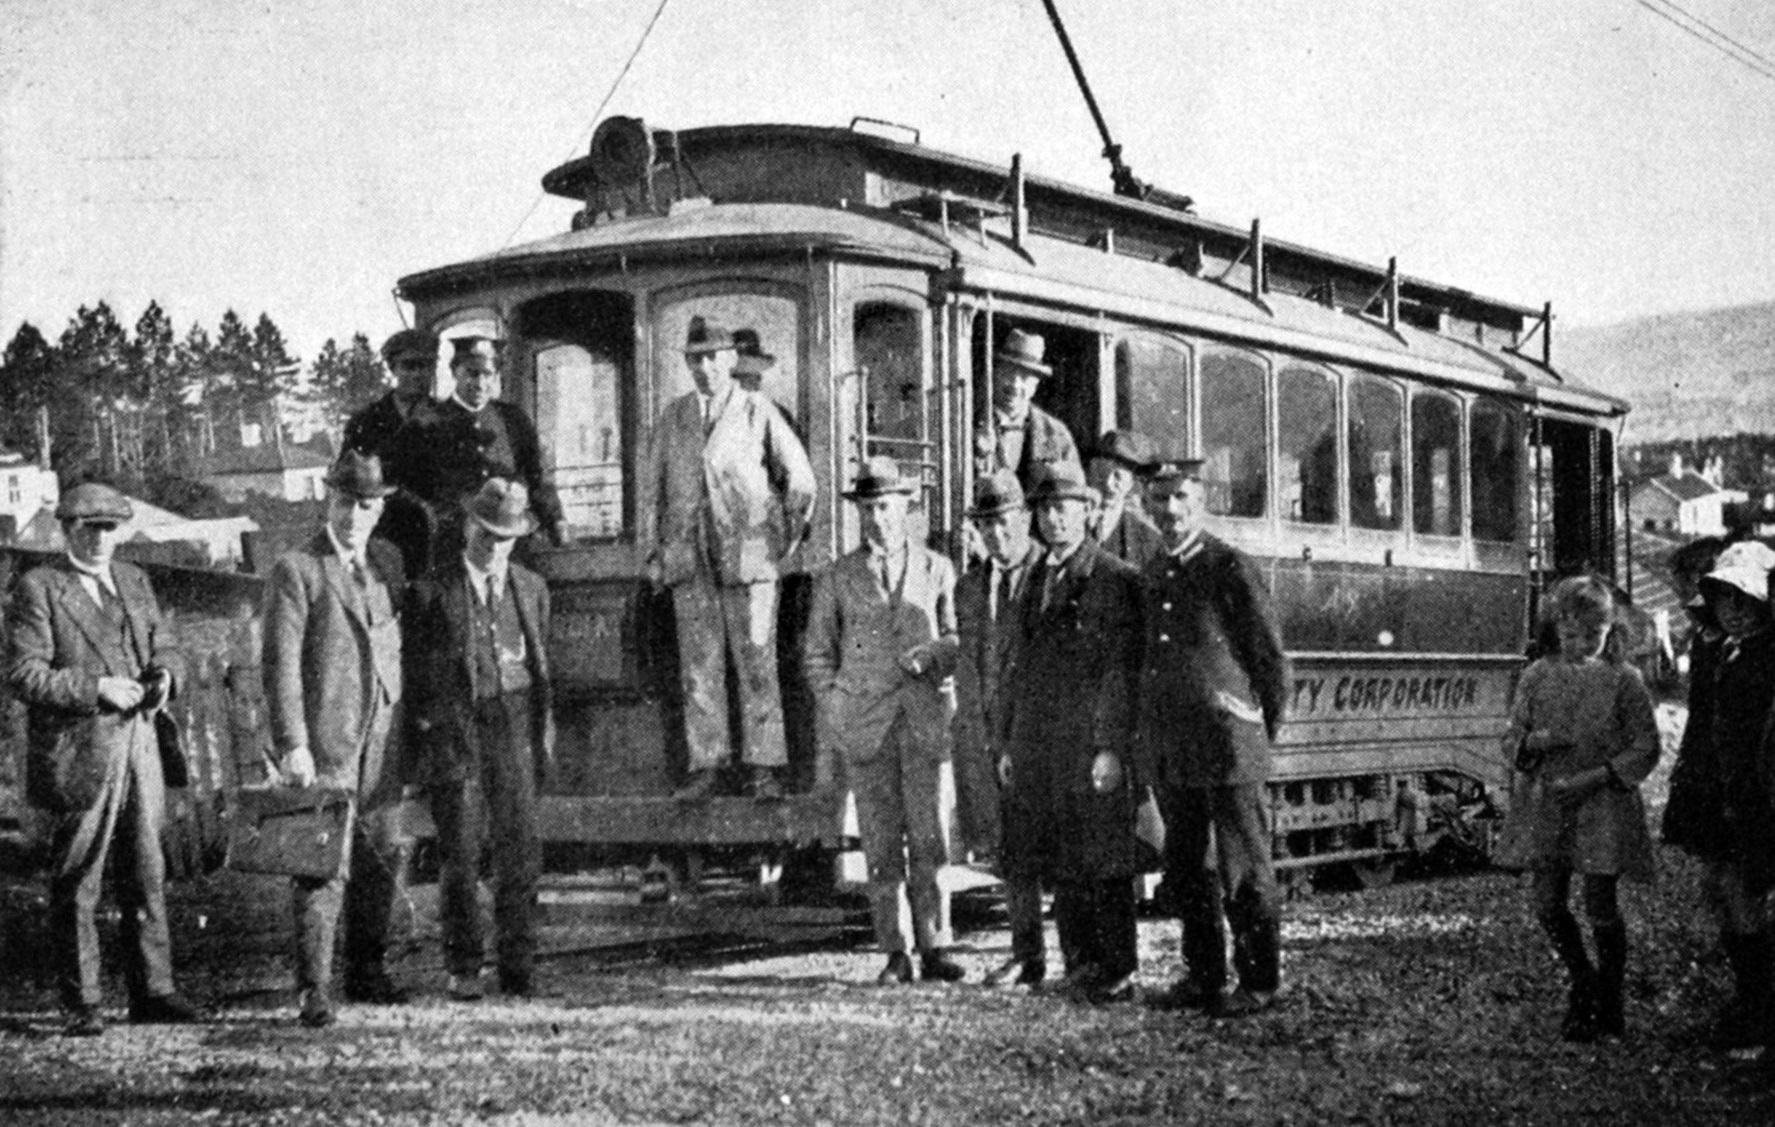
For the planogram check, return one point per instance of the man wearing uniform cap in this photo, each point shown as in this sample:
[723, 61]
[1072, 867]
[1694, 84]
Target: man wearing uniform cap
[483, 724]
[1211, 696]
[880, 652]
[1019, 436]
[412, 358]
[1120, 523]
[458, 445]
[331, 664]
[729, 492]
[84, 656]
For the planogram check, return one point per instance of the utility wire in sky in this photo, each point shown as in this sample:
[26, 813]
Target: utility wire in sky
[1711, 35]
[596, 114]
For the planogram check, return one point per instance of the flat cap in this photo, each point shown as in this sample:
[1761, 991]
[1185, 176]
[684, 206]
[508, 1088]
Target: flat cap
[468, 348]
[94, 502]
[411, 342]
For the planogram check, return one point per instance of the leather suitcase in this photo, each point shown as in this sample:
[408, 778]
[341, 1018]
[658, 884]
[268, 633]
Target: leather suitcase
[289, 831]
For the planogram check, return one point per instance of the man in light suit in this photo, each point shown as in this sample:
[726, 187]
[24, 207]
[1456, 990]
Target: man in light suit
[880, 652]
[1019, 436]
[1212, 691]
[332, 671]
[84, 656]
[729, 491]
[484, 732]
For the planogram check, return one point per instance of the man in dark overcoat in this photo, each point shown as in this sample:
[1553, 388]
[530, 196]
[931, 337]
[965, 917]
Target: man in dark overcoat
[1211, 698]
[412, 357]
[332, 670]
[1119, 522]
[1070, 782]
[84, 655]
[483, 723]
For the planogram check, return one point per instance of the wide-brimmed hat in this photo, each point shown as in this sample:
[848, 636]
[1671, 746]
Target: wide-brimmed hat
[1024, 350]
[1744, 565]
[411, 342]
[879, 477]
[358, 476]
[704, 335]
[94, 502]
[1129, 447]
[1175, 469]
[1059, 481]
[502, 507]
[753, 360]
[997, 492]
[467, 348]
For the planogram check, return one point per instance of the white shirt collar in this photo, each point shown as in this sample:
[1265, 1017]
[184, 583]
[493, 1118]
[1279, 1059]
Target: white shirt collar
[466, 407]
[1056, 560]
[345, 554]
[92, 578]
[484, 579]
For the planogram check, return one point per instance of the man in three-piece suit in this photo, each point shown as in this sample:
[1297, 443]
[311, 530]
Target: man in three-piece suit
[332, 670]
[84, 656]
[1211, 698]
[484, 732]
[1071, 784]
[729, 491]
[1017, 435]
[1119, 522]
[880, 653]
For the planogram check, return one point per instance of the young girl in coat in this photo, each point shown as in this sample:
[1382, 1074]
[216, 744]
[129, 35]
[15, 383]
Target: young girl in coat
[1583, 735]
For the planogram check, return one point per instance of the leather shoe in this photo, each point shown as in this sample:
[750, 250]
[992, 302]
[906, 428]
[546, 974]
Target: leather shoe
[1114, 990]
[375, 988]
[163, 1009]
[1017, 972]
[1243, 1003]
[317, 1009]
[83, 1021]
[467, 987]
[1188, 994]
[898, 971]
[937, 966]
[700, 787]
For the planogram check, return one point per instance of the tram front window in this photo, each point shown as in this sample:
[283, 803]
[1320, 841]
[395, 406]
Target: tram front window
[1234, 450]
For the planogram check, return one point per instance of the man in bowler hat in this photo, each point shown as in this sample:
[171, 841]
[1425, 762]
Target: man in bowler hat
[84, 655]
[477, 632]
[880, 653]
[332, 670]
[1017, 435]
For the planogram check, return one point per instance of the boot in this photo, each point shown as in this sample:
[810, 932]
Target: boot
[1743, 1022]
[1611, 976]
[1568, 943]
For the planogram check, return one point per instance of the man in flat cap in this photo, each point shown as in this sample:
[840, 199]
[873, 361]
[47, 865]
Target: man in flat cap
[1071, 785]
[84, 655]
[729, 491]
[880, 652]
[1211, 698]
[332, 669]
[484, 732]
[412, 358]
[457, 446]
[1019, 436]
[1119, 522]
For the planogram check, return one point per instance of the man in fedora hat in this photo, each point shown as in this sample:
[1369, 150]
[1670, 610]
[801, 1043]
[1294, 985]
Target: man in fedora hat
[412, 358]
[1211, 697]
[1017, 435]
[1071, 786]
[84, 655]
[880, 653]
[331, 664]
[729, 492]
[455, 447]
[750, 364]
[477, 634]
[1119, 523]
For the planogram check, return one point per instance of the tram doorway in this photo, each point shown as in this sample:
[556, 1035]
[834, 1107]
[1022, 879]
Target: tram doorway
[1071, 394]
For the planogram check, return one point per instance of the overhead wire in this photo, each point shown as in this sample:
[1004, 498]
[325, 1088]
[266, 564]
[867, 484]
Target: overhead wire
[1744, 56]
[596, 114]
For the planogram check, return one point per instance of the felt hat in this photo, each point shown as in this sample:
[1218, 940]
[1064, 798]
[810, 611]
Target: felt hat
[879, 477]
[1059, 481]
[1129, 447]
[704, 335]
[1025, 350]
[502, 507]
[997, 492]
[358, 476]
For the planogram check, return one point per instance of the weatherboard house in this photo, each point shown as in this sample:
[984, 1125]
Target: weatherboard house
[1683, 502]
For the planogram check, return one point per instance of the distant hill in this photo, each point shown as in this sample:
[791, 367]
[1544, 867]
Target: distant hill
[1705, 374]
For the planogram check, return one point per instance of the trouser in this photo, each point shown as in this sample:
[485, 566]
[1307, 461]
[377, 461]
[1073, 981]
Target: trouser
[1098, 931]
[126, 817]
[365, 888]
[1023, 904]
[717, 625]
[492, 807]
[1217, 850]
[977, 797]
[899, 793]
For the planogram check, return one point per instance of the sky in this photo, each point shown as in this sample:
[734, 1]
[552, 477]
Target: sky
[297, 157]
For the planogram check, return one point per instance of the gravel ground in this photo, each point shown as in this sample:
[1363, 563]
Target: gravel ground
[1431, 1002]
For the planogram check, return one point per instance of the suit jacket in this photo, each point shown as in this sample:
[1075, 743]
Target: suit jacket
[1046, 441]
[447, 452]
[748, 483]
[1069, 695]
[58, 647]
[1135, 537]
[1215, 678]
[857, 630]
[331, 658]
[372, 429]
[441, 671]
[987, 649]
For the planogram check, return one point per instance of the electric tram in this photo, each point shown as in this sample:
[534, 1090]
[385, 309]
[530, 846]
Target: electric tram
[1399, 456]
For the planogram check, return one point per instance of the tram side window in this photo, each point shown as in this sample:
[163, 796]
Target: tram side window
[1495, 455]
[1436, 464]
[1233, 433]
[1152, 393]
[888, 348]
[1306, 406]
[1377, 411]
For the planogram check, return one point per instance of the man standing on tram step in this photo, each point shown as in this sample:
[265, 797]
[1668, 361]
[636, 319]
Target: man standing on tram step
[477, 631]
[332, 670]
[1019, 436]
[453, 448]
[84, 656]
[1071, 782]
[729, 491]
[1119, 523]
[1211, 699]
[880, 652]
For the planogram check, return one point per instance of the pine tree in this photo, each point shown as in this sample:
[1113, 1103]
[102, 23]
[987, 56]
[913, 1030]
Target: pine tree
[343, 380]
[27, 372]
